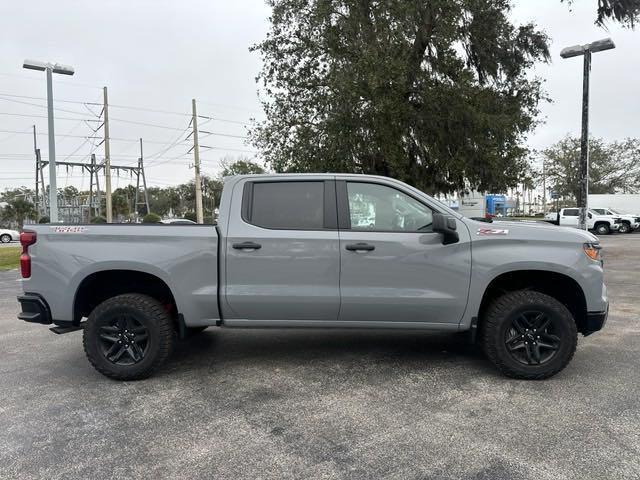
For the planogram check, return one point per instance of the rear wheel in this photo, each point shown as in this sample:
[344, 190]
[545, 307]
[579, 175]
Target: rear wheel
[128, 337]
[602, 229]
[5, 238]
[529, 335]
[625, 227]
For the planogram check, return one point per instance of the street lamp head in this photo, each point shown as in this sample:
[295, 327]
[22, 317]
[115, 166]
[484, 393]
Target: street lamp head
[63, 69]
[600, 45]
[597, 46]
[34, 65]
[42, 66]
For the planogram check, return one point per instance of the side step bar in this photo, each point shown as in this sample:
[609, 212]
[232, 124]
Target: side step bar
[67, 329]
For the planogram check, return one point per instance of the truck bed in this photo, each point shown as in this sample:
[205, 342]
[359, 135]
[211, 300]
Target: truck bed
[184, 257]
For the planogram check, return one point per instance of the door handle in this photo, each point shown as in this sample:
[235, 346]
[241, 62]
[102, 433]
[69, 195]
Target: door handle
[354, 247]
[247, 246]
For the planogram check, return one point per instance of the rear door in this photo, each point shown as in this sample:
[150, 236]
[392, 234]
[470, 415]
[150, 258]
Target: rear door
[394, 267]
[569, 217]
[282, 251]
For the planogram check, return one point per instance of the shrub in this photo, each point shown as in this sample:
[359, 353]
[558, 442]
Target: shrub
[99, 219]
[151, 218]
[44, 219]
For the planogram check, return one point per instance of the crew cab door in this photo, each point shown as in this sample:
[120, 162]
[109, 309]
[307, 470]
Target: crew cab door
[569, 217]
[394, 268]
[282, 251]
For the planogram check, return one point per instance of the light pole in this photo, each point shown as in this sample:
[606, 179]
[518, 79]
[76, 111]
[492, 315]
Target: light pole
[585, 51]
[50, 69]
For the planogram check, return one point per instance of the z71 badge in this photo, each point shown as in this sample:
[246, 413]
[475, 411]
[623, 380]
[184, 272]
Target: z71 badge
[492, 231]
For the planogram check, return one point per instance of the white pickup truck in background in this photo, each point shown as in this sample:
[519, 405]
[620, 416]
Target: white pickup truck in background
[601, 224]
[630, 223]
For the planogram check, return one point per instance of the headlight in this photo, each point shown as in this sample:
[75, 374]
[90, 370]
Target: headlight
[592, 250]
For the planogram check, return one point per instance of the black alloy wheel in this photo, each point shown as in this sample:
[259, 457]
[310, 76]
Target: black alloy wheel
[124, 340]
[533, 338]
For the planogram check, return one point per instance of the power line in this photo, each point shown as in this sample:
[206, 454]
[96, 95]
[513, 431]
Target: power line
[234, 107]
[44, 116]
[56, 100]
[138, 108]
[155, 142]
[71, 84]
[40, 105]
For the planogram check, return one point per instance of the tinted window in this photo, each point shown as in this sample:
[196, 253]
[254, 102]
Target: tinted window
[599, 211]
[382, 208]
[288, 205]
[571, 212]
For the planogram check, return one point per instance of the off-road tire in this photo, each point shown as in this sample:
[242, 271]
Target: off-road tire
[6, 238]
[498, 319]
[147, 311]
[625, 227]
[602, 229]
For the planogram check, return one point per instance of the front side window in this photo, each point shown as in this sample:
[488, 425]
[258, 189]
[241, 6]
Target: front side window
[287, 205]
[383, 208]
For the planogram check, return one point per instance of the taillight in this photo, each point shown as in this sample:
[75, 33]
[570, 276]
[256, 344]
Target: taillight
[26, 239]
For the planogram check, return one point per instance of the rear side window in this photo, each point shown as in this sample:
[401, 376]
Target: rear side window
[571, 212]
[286, 205]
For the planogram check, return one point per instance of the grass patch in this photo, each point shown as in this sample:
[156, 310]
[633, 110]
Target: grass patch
[9, 258]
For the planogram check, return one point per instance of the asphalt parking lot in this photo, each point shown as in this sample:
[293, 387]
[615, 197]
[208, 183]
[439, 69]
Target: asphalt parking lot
[325, 404]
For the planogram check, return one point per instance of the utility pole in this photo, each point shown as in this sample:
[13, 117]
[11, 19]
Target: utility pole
[107, 157]
[98, 195]
[544, 186]
[35, 150]
[140, 172]
[196, 158]
[144, 179]
[135, 201]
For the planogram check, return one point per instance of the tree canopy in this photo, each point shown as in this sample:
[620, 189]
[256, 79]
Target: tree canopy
[613, 167]
[240, 166]
[625, 12]
[433, 93]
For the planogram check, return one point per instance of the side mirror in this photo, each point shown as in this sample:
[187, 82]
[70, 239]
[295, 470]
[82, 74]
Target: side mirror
[447, 226]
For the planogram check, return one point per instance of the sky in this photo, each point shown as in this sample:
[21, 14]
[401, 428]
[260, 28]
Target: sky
[158, 55]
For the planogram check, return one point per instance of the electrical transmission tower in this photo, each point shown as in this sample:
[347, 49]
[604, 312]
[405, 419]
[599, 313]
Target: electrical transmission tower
[73, 211]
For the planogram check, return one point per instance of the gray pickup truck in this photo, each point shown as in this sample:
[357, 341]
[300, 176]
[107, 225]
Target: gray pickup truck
[317, 250]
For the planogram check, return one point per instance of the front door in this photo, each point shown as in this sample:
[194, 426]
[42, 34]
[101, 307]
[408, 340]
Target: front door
[282, 253]
[394, 268]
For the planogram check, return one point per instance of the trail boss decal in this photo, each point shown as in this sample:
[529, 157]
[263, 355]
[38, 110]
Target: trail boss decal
[63, 229]
[492, 231]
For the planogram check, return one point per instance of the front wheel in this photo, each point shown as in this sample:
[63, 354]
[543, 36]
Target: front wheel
[528, 335]
[5, 238]
[602, 229]
[128, 337]
[624, 228]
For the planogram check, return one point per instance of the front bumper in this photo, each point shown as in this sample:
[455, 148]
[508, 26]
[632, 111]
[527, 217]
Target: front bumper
[595, 321]
[34, 309]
